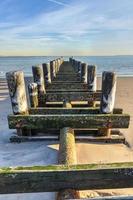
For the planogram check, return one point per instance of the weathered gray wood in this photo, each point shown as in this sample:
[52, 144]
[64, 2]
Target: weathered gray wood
[73, 96]
[33, 94]
[67, 78]
[55, 178]
[46, 73]
[38, 78]
[69, 82]
[128, 197]
[108, 96]
[75, 104]
[52, 69]
[112, 140]
[92, 79]
[67, 104]
[86, 110]
[79, 68]
[76, 86]
[95, 121]
[108, 92]
[83, 72]
[17, 92]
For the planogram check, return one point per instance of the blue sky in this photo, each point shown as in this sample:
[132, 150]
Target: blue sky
[66, 27]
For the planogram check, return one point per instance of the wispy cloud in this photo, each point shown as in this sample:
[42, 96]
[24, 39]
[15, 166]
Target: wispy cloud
[83, 24]
[59, 3]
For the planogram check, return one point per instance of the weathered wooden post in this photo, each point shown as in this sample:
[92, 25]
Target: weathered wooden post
[17, 92]
[70, 60]
[83, 72]
[33, 94]
[56, 66]
[92, 82]
[108, 97]
[38, 78]
[46, 73]
[67, 104]
[62, 60]
[79, 68]
[67, 148]
[52, 69]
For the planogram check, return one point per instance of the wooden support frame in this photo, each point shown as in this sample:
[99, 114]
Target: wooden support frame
[57, 177]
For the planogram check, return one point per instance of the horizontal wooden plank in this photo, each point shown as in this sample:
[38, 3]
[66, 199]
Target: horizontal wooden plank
[67, 78]
[54, 178]
[112, 140]
[65, 90]
[86, 110]
[78, 132]
[73, 103]
[74, 121]
[128, 197]
[67, 85]
[64, 82]
[73, 96]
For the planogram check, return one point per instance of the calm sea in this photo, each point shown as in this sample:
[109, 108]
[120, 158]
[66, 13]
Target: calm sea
[122, 65]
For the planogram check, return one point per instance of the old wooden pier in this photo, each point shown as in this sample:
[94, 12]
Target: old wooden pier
[66, 105]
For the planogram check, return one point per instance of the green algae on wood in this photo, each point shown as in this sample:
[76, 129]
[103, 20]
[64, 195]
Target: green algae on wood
[73, 96]
[84, 110]
[55, 178]
[69, 120]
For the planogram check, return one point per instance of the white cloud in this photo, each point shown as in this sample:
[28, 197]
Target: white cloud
[58, 2]
[76, 21]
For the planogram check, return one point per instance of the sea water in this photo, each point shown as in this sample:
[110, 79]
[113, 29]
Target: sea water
[122, 65]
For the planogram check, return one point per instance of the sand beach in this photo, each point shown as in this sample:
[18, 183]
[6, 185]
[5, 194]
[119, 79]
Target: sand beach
[43, 153]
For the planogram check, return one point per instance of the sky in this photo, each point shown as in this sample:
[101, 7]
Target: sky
[66, 27]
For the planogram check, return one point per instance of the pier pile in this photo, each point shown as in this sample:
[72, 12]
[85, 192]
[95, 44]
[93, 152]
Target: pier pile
[66, 105]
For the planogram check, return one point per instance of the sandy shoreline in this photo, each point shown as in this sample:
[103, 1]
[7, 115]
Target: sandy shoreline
[43, 153]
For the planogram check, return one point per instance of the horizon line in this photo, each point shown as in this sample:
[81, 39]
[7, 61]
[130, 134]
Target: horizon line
[64, 55]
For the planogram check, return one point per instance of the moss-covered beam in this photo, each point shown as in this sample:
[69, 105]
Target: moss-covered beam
[67, 86]
[54, 178]
[73, 96]
[127, 197]
[74, 121]
[89, 110]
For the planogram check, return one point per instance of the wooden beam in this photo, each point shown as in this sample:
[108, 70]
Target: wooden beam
[53, 111]
[73, 96]
[65, 90]
[70, 82]
[67, 86]
[128, 197]
[74, 121]
[73, 103]
[112, 140]
[54, 178]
